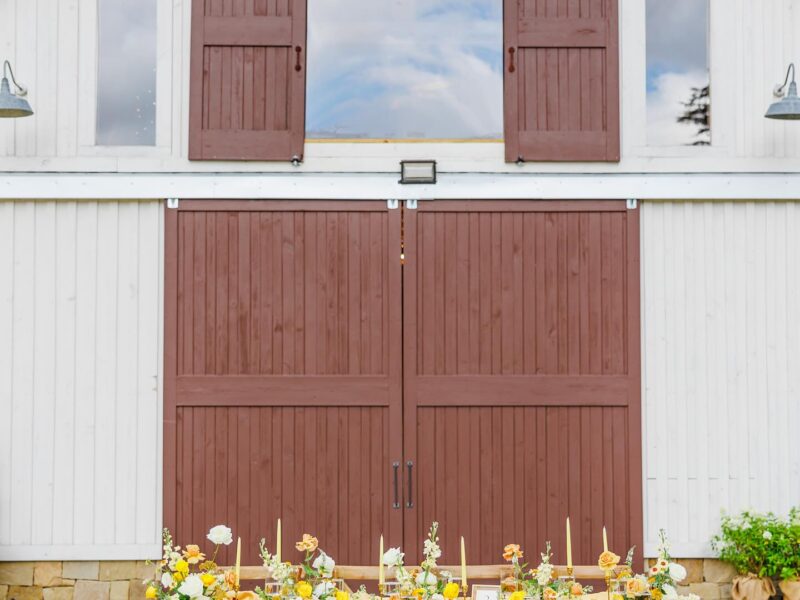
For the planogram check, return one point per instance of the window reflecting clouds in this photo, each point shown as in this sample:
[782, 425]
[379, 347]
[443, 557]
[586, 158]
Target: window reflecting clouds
[678, 91]
[126, 75]
[404, 69]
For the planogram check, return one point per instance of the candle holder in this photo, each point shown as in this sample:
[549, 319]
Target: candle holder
[608, 583]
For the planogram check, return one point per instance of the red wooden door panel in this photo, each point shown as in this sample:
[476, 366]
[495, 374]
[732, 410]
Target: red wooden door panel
[521, 375]
[561, 80]
[247, 85]
[283, 387]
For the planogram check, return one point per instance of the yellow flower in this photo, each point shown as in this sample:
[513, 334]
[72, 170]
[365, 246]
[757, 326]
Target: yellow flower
[518, 595]
[177, 577]
[303, 589]
[150, 592]
[450, 591]
[549, 594]
[419, 593]
[182, 567]
[511, 551]
[193, 554]
[608, 560]
[635, 587]
[207, 579]
[617, 596]
[656, 593]
[340, 595]
[309, 543]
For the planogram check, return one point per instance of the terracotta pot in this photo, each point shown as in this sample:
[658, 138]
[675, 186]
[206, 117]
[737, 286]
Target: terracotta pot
[750, 587]
[790, 589]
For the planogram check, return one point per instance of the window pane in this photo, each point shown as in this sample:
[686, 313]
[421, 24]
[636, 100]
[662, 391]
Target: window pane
[678, 90]
[126, 77]
[405, 69]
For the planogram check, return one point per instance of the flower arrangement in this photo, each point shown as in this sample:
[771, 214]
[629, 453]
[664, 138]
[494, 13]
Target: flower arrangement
[660, 581]
[187, 575]
[539, 583]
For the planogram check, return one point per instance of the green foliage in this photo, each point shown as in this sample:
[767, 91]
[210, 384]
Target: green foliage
[761, 544]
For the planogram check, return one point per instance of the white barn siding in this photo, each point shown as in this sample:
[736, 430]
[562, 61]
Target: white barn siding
[721, 365]
[80, 359]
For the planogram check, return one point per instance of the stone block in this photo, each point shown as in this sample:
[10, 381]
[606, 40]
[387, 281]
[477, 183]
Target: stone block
[136, 590]
[58, 593]
[3, 592]
[83, 569]
[144, 570]
[119, 590]
[694, 570]
[16, 573]
[47, 574]
[725, 591]
[92, 590]
[115, 570]
[706, 591]
[716, 571]
[26, 592]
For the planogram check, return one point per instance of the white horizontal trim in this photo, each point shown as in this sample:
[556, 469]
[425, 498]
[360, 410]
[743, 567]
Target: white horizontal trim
[686, 550]
[677, 186]
[94, 552]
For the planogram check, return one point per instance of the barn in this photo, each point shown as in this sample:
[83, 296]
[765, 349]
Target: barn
[361, 266]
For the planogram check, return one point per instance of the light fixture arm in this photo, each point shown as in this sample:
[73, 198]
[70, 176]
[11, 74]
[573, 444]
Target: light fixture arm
[779, 89]
[21, 90]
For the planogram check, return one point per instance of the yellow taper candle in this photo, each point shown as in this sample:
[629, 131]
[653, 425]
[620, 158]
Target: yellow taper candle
[381, 580]
[569, 547]
[463, 565]
[605, 540]
[278, 542]
[238, 560]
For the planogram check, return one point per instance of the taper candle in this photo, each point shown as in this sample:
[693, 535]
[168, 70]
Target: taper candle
[463, 565]
[238, 560]
[605, 540]
[569, 547]
[380, 563]
[278, 542]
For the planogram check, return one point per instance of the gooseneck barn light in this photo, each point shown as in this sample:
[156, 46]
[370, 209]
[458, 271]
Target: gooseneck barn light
[12, 105]
[788, 107]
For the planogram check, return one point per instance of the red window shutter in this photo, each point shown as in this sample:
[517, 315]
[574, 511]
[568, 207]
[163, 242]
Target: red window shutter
[561, 80]
[248, 72]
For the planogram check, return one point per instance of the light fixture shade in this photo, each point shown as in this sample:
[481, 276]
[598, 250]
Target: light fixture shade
[417, 171]
[12, 105]
[788, 107]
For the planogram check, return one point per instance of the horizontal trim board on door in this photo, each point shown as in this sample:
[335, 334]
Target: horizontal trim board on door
[522, 390]
[296, 205]
[282, 390]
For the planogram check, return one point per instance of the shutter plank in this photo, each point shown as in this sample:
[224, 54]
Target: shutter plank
[247, 90]
[561, 80]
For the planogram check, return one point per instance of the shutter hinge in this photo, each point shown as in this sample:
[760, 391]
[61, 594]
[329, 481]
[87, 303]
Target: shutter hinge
[392, 203]
[631, 203]
[411, 204]
[296, 161]
[172, 203]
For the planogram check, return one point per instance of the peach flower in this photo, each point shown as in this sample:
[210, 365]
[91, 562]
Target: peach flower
[512, 551]
[608, 560]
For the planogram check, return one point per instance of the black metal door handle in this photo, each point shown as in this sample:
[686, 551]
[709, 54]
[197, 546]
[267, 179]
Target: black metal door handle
[395, 469]
[410, 500]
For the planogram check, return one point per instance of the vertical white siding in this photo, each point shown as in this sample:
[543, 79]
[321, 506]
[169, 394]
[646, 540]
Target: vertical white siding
[80, 355]
[721, 364]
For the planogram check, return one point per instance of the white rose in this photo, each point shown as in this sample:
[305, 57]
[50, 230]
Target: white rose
[437, 597]
[325, 587]
[166, 580]
[192, 586]
[220, 535]
[669, 591]
[426, 578]
[324, 564]
[677, 572]
[767, 535]
[392, 557]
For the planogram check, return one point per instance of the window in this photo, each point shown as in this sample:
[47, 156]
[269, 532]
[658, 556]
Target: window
[405, 69]
[678, 88]
[126, 76]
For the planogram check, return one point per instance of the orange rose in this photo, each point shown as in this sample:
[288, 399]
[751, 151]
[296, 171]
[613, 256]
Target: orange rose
[512, 551]
[230, 579]
[192, 554]
[608, 560]
[309, 543]
[576, 589]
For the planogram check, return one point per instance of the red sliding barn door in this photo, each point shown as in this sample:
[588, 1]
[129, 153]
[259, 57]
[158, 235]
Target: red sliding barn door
[283, 383]
[561, 80]
[521, 376]
[247, 85]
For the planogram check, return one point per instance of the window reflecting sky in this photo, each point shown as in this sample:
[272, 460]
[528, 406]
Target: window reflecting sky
[677, 61]
[126, 74]
[404, 69]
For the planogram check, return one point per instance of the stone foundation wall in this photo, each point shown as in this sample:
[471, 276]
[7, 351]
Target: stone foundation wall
[78, 580]
[122, 580]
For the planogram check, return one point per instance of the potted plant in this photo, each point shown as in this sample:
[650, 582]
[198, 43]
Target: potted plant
[789, 571]
[749, 543]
